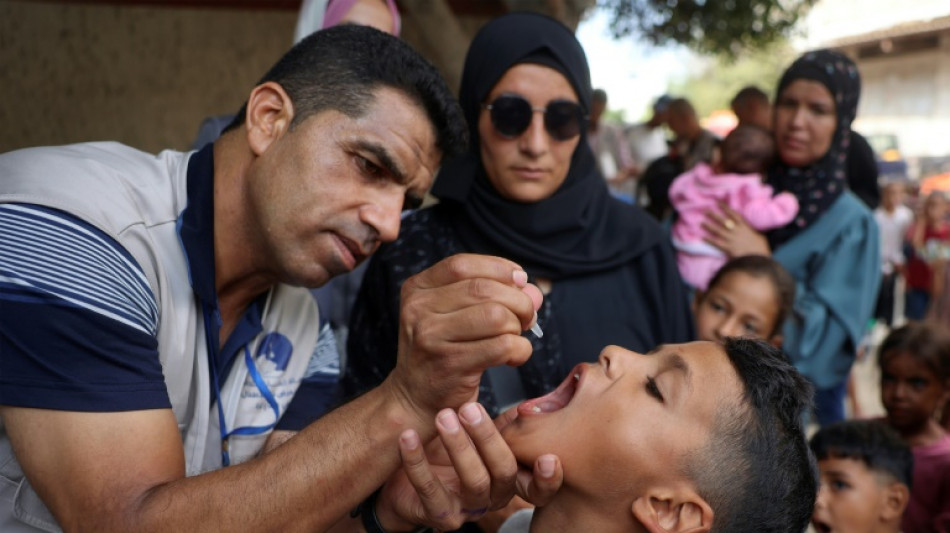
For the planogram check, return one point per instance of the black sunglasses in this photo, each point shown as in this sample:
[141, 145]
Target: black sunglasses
[511, 115]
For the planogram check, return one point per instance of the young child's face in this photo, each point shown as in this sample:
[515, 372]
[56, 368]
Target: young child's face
[850, 499]
[622, 425]
[739, 305]
[935, 208]
[910, 391]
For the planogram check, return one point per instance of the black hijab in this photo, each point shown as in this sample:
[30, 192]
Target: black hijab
[578, 229]
[819, 185]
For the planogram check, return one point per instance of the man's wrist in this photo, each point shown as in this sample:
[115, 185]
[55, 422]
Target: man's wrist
[374, 521]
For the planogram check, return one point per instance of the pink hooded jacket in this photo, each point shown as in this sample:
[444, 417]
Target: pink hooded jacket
[697, 191]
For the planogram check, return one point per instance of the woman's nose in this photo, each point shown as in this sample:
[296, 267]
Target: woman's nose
[534, 140]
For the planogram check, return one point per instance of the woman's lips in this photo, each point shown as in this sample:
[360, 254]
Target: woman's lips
[533, 173]
[557, 399]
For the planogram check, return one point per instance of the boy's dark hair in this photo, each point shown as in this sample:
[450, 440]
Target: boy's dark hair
[748, 149]
[761, 266]
[340, 67]
[872, 442]
[927, 342]
[757, 472]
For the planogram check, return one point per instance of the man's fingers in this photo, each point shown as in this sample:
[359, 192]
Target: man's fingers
[432, 494]
[519, 303]
[474, 479]
[468, 266]
[494, 452]
[541, 484]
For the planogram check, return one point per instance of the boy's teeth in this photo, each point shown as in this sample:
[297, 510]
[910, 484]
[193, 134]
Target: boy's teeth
[536, 409]
[577, 377]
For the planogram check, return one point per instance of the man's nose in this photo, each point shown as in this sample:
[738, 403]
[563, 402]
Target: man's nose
[384, 214]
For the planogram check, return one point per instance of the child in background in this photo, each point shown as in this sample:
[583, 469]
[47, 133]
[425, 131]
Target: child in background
[915, 384]
[866, 471]
[929, 239]
[749, 296]
[893, 218]
[734, 180]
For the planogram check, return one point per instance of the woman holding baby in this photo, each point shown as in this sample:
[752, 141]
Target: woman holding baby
[831, 246]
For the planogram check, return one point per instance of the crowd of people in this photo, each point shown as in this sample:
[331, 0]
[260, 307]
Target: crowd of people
[532, 352]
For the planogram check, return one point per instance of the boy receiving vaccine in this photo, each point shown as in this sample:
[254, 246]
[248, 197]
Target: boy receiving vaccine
[698, 437]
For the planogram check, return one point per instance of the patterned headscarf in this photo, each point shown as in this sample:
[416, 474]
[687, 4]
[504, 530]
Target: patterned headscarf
[818, 186]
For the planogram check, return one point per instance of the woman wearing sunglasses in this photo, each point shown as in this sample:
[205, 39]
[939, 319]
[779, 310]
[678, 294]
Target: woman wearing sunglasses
[528, 190]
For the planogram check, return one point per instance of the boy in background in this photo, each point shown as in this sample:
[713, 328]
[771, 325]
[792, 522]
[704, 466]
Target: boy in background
[866, 471]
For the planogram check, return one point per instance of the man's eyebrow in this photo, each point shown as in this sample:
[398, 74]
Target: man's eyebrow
[386, 160]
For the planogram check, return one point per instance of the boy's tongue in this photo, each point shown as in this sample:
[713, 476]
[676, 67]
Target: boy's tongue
[553, 401]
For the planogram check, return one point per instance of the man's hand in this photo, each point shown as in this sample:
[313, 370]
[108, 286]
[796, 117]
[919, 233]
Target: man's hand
[459, 317]
[459, 476]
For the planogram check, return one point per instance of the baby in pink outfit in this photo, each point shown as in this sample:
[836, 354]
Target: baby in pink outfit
[735, 180]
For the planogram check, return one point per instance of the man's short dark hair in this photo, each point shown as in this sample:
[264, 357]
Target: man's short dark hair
[757, 472]
[339, 68]
[599, 95]
[747, 94]
[760, 266]
[871, 442]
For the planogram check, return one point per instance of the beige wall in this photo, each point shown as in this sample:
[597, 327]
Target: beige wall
[140, 75]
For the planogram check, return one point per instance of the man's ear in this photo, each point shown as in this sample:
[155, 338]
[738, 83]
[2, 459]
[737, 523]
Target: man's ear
[895, 499]
[269, 115]
[673, 511]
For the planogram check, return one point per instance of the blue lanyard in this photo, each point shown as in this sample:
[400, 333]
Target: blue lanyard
[255, 376]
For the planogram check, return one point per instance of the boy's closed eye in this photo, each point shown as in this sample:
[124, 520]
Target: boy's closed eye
[653, 389]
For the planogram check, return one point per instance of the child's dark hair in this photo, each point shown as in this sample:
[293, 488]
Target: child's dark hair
[872, 442]
[756, 472]
[760, 266]
[748, 149]
[927, 342]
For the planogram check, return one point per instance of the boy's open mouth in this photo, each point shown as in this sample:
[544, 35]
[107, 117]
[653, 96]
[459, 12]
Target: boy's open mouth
[820, 527]
[556, 399]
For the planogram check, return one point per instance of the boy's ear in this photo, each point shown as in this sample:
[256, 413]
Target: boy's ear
[269, 115]
[673, 511]
[895, 499]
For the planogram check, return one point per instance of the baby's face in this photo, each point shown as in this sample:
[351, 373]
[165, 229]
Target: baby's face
[739, 305]
[850, 498]
[629, 421]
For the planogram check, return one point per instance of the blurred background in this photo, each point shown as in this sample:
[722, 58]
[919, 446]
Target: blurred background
[146, 72]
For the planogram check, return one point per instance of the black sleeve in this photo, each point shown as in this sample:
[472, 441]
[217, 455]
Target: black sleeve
[862, 171]
[374, 330]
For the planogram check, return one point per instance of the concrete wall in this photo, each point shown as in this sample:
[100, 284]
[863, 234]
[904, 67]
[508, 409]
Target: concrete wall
[909, 96]
[144, 76]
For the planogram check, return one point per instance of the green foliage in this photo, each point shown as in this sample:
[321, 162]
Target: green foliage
[720, 27]
[714, 85]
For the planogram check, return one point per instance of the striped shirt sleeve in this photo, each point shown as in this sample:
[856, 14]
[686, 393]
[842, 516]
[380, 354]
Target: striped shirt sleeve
[78, 320]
